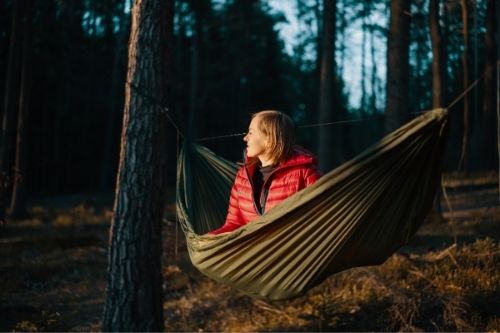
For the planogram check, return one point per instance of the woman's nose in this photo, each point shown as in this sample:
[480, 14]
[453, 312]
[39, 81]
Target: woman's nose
[245, 138]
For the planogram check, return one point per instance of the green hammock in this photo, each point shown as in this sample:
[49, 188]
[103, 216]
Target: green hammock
[358, 214]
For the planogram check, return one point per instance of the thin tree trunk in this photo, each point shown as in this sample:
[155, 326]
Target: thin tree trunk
[319, 41]
[70, 32]
[341, 33]
[373, 97]
[497, 43]
[398, 71]
[438, 70]
[194, 94]
[10, 106]
[134, 292]
[18, 200]
[328, 147]
[464, 163]
[86, 118]
[489, 108]
[475, 106]
[4, 46]
[420, 55]
[445, 31]
[363, 62]
[437, 56]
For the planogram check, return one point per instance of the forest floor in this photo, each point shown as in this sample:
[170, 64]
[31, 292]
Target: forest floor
[53, 276]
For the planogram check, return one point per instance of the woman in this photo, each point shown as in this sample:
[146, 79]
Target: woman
[273, 170]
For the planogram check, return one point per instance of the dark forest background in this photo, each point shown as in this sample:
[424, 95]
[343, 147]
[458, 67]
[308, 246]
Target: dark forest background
[229, 61]
[212, 63]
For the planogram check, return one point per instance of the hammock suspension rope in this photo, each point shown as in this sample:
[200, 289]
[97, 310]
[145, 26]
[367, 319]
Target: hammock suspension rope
[165, 110]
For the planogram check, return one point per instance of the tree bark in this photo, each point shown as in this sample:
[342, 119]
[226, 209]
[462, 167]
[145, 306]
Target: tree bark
[438, 63]
[319, 40]
[463, 163]
[418, 88]
[489, 89]
[438, 72]
[328, 147]
[475, 72]
[10, 106]
[363, 61]
[374, 79]
[497, 43]
[18, 199]
[194, 91]
[134, 291]
[342, 35]
[398, 70]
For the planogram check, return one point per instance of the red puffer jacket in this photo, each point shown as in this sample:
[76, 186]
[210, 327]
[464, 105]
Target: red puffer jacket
[296, 173]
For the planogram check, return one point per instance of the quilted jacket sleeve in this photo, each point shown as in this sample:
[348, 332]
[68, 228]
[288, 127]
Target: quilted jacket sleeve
[234, 218]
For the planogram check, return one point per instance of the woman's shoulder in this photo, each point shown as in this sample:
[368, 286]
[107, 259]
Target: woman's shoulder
[301, 156]
[241, 173]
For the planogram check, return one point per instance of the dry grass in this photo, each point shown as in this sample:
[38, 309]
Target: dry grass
[53, 273]
[454, 289]
[432, 284]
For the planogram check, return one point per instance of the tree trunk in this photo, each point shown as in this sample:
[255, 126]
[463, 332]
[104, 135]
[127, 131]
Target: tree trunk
[475, 73]
[374, 79]
[10, 106]
[463, 163]
[398, 71]
[194, 93]
[445, 33]
[134, 291]
[438, 71]
[497, 43]
[319, 40]
[421, 54]
[342, 35]
[489, 150]
[4, 46]
[363, 62]
[18, 200]
[328, 147]
[438, 64]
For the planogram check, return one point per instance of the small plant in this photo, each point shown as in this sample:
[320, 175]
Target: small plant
[26, 326]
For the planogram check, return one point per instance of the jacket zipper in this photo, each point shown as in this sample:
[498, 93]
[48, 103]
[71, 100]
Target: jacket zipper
[250, 181]
[261, 192]
[264, 192]
[251, 187]
[263, 185]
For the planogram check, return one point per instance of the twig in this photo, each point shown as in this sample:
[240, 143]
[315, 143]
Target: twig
[268, 307]
[452, 220]
[417, 272]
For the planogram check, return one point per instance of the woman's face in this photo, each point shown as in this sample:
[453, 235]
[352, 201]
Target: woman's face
[255, 139]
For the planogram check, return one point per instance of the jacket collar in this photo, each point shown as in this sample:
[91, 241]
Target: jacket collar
[300, 156]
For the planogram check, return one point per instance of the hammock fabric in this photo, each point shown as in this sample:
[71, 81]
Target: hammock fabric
[358, 214]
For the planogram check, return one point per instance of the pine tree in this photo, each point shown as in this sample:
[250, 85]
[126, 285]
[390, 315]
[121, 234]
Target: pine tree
[134, 290]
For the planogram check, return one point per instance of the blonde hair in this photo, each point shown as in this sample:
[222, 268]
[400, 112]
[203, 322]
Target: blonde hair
[281, 133]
